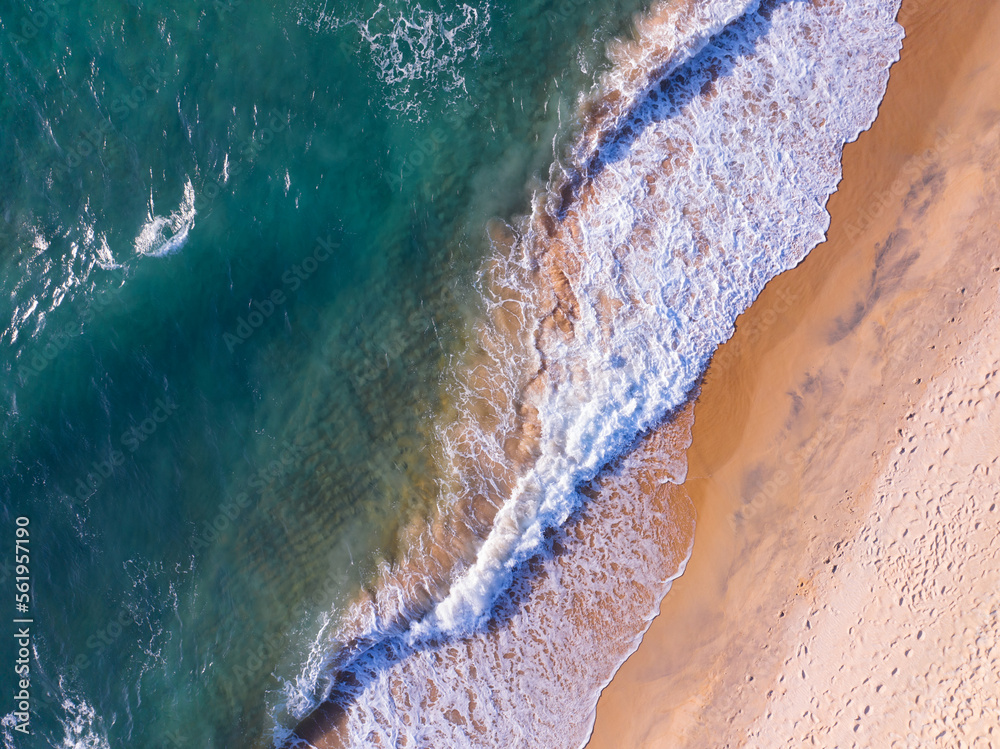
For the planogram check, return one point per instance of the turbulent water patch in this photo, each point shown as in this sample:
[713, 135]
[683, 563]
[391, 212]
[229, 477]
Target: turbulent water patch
[415, 51]
[165, 235]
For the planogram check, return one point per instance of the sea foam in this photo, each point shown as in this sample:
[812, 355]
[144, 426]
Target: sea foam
[408, 43]
[165, 235]
[712, 182]
[701, 170]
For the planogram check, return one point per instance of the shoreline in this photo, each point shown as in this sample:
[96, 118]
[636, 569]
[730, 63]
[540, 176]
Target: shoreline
[604, 568]
[797, 427]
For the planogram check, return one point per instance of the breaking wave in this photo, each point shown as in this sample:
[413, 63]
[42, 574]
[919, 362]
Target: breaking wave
[165, 235]
[700, 169]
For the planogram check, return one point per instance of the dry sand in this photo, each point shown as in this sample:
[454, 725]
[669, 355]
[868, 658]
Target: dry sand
[844, 588]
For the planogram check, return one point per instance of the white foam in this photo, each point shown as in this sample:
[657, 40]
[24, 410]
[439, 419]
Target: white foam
[410, 43]
[83, 728]
[671, 36]
[705, 195]
[745, 200]
[154, 240]
[533, 680]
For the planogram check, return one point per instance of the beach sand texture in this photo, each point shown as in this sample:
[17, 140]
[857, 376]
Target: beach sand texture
[844, 585]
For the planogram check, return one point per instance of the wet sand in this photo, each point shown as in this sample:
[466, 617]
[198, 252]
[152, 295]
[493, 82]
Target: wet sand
[843, 587]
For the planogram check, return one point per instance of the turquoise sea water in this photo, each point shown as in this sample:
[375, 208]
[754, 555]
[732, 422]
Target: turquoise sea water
[239, 246]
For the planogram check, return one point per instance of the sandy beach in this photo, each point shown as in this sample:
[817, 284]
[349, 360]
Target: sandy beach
[843, 588]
